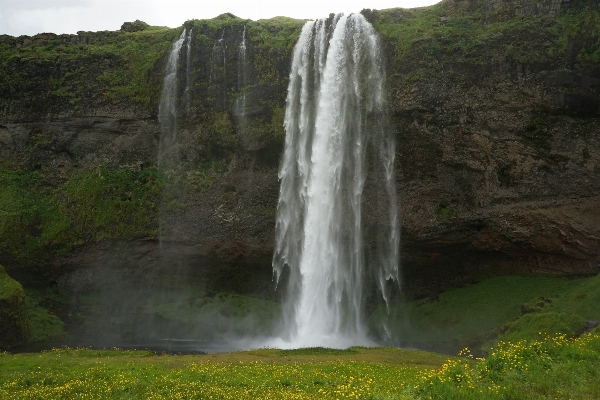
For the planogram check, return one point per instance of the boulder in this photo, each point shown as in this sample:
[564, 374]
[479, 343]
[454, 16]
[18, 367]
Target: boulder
[14, 322]
[134, 26]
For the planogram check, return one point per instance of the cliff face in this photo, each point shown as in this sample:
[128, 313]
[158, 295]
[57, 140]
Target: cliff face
[496, 111]
[494, 104]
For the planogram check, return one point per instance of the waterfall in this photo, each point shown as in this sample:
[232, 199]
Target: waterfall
[167, 108]
[218, 74]
[242, 61]
[240, 106]
[168, 151]
[188, 71]
[336, 132]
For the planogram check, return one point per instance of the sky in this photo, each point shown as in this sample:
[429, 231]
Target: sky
[29, 17]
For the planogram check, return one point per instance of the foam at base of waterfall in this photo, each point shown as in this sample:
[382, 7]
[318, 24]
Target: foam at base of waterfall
[333, 341]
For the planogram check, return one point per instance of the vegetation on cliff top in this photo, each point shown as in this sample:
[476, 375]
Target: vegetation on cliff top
[445, 33]
[115, 69]
[456, 49]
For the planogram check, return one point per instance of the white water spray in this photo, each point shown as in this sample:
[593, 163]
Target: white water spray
[335, 116]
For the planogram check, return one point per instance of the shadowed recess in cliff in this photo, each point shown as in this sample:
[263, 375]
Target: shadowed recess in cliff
[336, 137]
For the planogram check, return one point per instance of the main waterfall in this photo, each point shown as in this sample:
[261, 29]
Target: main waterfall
[336, 134]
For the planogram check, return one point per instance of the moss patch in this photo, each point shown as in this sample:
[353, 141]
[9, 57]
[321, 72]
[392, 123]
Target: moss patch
[40, 221]
[14, 324]
[44, 324]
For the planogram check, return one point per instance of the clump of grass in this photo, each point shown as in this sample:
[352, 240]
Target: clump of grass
[549, 367]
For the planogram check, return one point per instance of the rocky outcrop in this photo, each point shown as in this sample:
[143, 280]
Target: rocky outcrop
[134, 26]
[14, 322]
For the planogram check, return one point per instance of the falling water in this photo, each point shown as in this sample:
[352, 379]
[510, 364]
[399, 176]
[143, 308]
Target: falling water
[242, 82]
[242, 61]
[218, 74]
[168, 153]
[167, 109]
[335, 123]
[188, 71]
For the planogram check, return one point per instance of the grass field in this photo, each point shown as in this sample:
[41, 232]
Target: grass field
[264, 373]
[506, 307]
[550, 367]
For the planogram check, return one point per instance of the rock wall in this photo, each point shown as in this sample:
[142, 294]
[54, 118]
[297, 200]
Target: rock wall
[498, 148]
[494, 106]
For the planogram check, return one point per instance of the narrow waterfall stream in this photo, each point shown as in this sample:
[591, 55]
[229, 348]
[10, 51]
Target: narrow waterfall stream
[167, 108]
[335, 117]
[188, 71]
[240, 107]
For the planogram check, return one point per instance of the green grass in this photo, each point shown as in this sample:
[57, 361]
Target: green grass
[249, 375]
[481, 312]
[312, 351]
[551, 367]
[532, 325]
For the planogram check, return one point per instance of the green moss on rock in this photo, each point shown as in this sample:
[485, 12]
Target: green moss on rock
[38, 220]
[43, 323]
[14, 323]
